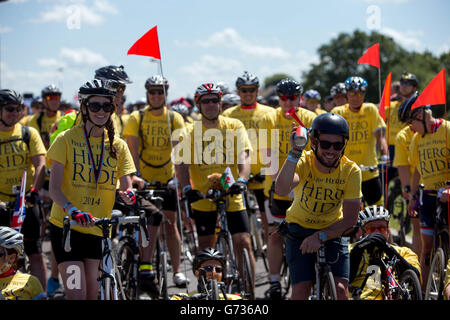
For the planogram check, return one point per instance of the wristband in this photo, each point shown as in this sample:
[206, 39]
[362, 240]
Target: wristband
[186, 188]
[137, 174]
[68, 203]
[294, 156]
[71, 210]
[242, 180]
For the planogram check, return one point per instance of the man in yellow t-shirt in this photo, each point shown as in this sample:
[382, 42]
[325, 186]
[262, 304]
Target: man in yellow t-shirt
[209, 146]
[374, 222]
[15, 285]
[447, 281]
[149, 135]
[429, 157]
[366, 135]
[326, 204]
[278, 126]
[251, 113]
[312, 101]
[22, 149]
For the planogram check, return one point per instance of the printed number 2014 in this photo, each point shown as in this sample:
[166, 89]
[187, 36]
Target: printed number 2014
[91, 201]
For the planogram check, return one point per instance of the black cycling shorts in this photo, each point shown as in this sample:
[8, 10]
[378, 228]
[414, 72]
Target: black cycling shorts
[372, 190]
[84, 246]
[260, 198]
[205, 222]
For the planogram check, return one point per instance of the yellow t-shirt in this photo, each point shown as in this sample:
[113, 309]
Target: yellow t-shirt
[447, 275]
[15, 158]
[185, 296]
[120, 123]
[276, 122]
[25, 119]
[46, 124]
[393, 125]
[252, 121]
[158, 150]
[318, 197]
[211, 151]
[373, 289]
[20, 286]
[78, 184]
[402, 156]
[361, 147]
[429, 155]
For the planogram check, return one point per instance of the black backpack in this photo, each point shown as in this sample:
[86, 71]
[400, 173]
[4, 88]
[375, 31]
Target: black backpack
[25, 137]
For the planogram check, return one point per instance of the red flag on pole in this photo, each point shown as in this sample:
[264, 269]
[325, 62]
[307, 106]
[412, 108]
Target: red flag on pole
[386, 97]
[434, 93]
[19, 212]
[291, 112]
[147, 45]
[371, 56]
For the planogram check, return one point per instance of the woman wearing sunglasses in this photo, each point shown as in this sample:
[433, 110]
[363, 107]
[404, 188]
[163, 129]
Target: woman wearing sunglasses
[327, 193]
[374, 222]
[88, 161]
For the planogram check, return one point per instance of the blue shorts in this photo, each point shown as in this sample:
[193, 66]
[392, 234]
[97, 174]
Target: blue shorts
[301, 266]
[428, 213]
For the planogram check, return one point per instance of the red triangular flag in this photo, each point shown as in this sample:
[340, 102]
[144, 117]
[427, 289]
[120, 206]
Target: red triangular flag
[371, 56]
[434, 93]
[386, 97]
[147, 45]
[291, 112]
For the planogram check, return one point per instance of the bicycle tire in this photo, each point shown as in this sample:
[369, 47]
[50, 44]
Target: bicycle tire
[214, 293]
[327, 287]
[285, 278]
[127, 266]
[411, 283]
[163, 277]
[257, 239]
[436, 276]
[223, 246]
[246, 278]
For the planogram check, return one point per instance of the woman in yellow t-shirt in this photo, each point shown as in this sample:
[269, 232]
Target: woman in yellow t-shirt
[327, 193]
[85, 189]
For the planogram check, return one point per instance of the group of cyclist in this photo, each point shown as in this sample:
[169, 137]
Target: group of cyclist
[98, 155]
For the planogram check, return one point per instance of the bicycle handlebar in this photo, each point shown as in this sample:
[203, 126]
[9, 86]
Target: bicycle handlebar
[140, 220]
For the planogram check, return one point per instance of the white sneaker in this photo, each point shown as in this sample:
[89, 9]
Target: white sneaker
[180, 280]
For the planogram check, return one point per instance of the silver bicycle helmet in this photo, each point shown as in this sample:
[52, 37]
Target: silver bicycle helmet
[373, 213]
[247, 79]
[156, 80]
[11, 239]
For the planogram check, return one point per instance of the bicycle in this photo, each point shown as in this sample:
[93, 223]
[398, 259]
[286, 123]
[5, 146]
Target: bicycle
[394, 285]
[109, 279]
[398, 207]
[241, 282]
[439, 254]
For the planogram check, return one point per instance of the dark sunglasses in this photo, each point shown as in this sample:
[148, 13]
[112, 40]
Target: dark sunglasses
[95, 106]
[247, 90]
[206, 100]
[325, 145]
[211, 268]
[12, 109]
[286, 98]
[53, 97]
[407, 82]
[153, 92]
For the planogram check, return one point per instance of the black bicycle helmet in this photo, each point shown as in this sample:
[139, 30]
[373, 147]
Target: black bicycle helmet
[329, 123]
[405, 108]
[8, 96]
[113, 73]
[50, 90]
[208, 254]
[409, 77]
[247, 79]
[96, 88]
[288, 87]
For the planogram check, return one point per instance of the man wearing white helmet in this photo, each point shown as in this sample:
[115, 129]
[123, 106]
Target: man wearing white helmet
[15, 285]
[374, 221]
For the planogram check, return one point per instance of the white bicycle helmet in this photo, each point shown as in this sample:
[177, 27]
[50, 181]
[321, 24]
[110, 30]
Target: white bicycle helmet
[373, 213]
[11, 239]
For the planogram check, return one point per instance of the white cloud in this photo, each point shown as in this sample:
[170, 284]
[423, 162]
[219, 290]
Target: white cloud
[408, 39]
[51, 63]
[388, 1]
[230, 38]
[82, 56]
[211, 68]
[4, 30]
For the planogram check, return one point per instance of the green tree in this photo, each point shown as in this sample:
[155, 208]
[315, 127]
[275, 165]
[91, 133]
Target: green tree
[274, 79]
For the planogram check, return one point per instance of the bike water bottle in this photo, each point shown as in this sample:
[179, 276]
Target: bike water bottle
[300, 137]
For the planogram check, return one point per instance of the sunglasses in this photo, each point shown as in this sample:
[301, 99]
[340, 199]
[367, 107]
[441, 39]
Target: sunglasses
[12, 109]
[95, 106]
[247, 90]
[372, 229]
[206, 100]
[53, 97]
[359, 94]
[325, 145]
[286, 98]
[153, 92]
[211, 268]
[407, 83]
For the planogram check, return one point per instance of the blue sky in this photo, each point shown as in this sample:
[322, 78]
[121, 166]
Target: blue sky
[64, 41]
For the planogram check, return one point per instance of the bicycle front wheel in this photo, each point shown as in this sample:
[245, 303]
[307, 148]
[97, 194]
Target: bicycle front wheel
[163, 276]
[410, 284]
[247, 288]
[128, 270]
[436, 277]
[327, 287]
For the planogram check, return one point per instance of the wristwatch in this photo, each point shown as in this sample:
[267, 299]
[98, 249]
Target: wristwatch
[407, 189]
[322, 236]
